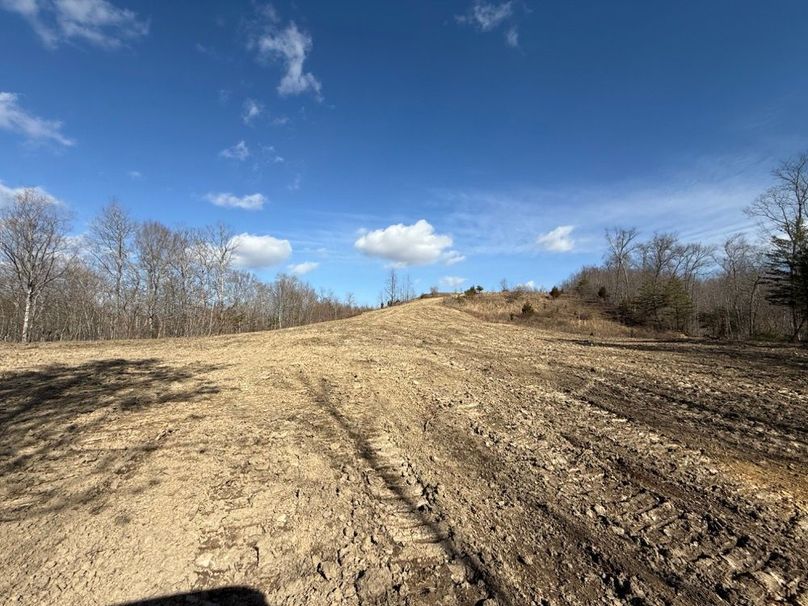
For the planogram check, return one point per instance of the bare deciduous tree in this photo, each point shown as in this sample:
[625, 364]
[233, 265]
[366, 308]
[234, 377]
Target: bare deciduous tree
[111, 245]
[622, 245]
[391, 287]
[155, 245]
[695, 258]
[740, 264]
[32, 241]
[659, 255]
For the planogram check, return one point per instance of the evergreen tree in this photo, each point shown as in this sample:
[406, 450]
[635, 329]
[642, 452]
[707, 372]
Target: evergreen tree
[787, 278]
[678, 303]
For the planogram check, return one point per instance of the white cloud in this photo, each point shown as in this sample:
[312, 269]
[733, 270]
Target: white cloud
[135, 174]
[512, 37]
[451, 257]
[304, 268]
[239, 152]
[228, 200]
[290, 46]
[557, 240]
[255, 252]
[529, 285]
[38, 130]
[486, 15]
[8, 194]
[251, 110]
[416, 244]
[453, 282]
[98, 22]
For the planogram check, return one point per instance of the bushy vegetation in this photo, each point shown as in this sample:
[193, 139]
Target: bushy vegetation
[565, 313]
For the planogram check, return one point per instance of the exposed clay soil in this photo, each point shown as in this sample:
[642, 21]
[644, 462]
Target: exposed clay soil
[414, 455]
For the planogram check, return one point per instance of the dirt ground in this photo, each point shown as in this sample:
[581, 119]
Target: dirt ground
[413, 455]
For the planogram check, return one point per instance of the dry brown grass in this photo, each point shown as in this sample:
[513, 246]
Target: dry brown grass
[566, 314]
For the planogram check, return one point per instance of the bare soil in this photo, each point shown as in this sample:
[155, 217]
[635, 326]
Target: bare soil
[414, 455]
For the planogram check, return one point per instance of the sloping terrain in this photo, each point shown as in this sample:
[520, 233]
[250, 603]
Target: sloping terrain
[411, 455]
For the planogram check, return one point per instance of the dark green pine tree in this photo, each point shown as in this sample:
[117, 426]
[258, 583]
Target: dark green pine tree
[679, 303]
[787, 279]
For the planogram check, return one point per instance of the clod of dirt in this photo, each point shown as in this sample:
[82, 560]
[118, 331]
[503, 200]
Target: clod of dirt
[330, 570]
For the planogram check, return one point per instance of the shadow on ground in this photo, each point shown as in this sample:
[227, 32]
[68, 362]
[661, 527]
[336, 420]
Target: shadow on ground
[766, 356]
[61, 426]
[360, 435]
[224, 596]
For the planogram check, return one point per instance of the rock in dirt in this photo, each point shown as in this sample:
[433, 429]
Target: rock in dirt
[372, 583]
[458, 572]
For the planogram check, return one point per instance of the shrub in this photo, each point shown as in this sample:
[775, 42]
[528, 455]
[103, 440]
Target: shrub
[603, 293]
[554, 292]
[527, 309]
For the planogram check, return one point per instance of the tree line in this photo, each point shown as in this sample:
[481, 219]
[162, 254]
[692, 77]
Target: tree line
[740, 289]
[133, 279]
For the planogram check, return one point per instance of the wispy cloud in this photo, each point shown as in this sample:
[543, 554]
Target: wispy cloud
[239, 152]
[250, 111]
[228, 200]
[135, 175]
[415, 244]
[289, 46]
[297, 182]
[452, 282]
[15, 119]
[98, 22]
[303, 268]
[703, 202]
[557, 240]
[512, 37]
[271, 154]
[489, 16]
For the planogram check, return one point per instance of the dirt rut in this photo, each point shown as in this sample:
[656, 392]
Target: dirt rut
[413, 455]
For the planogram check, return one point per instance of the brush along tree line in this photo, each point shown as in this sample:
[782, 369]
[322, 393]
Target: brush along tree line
[740, 289]
[129, 279]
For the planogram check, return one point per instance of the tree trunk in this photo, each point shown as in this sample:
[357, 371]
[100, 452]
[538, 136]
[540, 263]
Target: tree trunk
[26, 317]
[752, 314]
[795, 337]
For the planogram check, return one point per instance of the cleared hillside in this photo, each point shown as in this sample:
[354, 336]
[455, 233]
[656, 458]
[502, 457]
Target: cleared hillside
[410, 455]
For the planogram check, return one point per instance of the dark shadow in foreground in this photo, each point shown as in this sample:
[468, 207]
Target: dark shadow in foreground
[56, 420]
[224, 596]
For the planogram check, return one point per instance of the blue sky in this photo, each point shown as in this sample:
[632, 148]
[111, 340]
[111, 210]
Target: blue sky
[468, 140]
